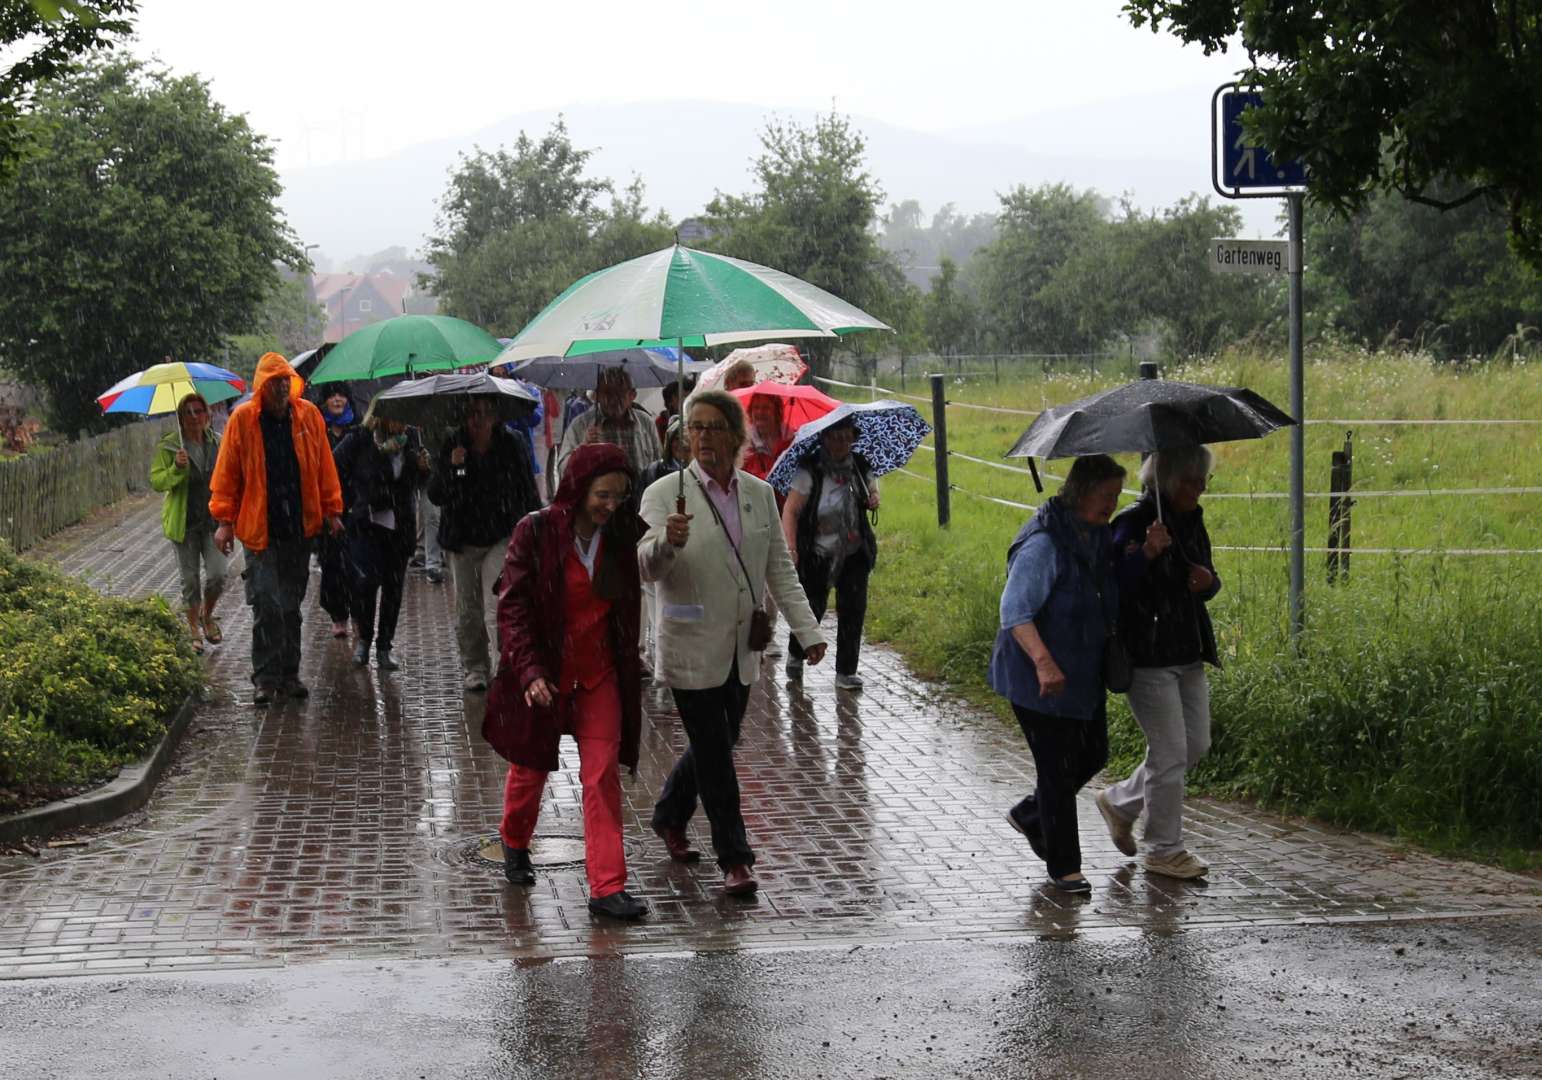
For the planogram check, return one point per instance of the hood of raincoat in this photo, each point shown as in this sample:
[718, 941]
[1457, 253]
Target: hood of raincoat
[587, 462]
[272, 365]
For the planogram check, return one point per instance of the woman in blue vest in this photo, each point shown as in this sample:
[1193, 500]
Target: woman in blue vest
[1059, 604]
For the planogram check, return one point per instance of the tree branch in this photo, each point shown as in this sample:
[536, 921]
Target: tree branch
[1447, 204]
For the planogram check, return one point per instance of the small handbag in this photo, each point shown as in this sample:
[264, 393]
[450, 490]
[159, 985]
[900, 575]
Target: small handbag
[1118, 670]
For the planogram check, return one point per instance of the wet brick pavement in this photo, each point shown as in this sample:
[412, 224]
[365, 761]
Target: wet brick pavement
[348, 826]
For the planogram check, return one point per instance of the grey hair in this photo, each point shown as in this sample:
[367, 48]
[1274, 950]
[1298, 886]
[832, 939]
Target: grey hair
[1165, 468]
[725, 403]
[1085, 476]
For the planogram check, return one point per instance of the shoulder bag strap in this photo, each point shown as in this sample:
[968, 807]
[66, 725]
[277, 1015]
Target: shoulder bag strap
[729, 537]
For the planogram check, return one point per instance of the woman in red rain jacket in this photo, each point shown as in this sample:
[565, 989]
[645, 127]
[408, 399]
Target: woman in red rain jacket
[568, 614]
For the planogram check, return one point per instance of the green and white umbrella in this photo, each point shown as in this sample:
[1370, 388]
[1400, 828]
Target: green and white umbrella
[680, 296]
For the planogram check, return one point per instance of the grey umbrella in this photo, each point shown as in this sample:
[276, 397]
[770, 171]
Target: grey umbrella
[646, 367]
[440, 401]
[1148, 415]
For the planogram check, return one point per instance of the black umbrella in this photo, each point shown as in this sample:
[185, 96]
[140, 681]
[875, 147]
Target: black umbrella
[440, 401]
[1148, 415]
[645, 367]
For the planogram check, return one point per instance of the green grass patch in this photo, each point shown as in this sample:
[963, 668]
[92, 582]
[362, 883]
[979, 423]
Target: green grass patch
[1413, 705]
[87, 683]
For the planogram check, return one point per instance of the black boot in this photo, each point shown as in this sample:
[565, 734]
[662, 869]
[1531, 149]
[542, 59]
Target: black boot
[619, 905]
[516, 866]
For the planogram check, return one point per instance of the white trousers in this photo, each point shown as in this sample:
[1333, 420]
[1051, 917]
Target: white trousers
[1172, 706]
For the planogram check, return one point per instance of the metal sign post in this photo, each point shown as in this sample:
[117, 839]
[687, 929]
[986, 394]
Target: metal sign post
[1240, 169]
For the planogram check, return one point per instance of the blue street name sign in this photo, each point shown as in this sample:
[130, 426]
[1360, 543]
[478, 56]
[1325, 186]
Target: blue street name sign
[1244, 165]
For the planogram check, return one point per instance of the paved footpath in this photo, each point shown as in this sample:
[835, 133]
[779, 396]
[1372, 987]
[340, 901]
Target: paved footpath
[351, 826]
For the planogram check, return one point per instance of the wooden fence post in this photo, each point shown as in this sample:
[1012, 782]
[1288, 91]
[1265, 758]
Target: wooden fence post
[1341, 479]
[940, 445]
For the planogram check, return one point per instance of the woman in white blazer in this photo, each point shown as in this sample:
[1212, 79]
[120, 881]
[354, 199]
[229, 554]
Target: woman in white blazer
[713, 563]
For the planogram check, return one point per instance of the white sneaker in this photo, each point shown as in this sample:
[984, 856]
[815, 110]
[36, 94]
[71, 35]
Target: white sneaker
[1184, 865]
[1120, 831]
[848, 682]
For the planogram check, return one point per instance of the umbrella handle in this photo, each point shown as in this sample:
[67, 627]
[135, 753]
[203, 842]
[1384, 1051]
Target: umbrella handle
[1038, 485]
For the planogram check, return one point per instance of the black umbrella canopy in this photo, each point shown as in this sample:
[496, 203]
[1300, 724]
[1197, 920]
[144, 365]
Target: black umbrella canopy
[440, 401]
[1147, 415]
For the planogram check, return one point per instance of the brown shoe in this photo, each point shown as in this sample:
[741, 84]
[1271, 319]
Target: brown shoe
[738, 881]
[677, 843]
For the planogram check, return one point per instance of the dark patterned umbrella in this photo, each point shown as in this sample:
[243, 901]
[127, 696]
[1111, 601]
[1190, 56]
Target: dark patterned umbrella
[888, 432]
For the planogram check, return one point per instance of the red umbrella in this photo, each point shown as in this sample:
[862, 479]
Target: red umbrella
[800, 404]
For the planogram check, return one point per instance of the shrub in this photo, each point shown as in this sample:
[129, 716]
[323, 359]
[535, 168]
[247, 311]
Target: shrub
[87, 682]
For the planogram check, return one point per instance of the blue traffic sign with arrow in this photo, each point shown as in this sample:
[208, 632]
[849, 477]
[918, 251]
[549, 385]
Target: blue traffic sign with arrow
[1244, 164]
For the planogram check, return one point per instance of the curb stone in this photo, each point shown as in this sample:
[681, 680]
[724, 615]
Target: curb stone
[128, 791]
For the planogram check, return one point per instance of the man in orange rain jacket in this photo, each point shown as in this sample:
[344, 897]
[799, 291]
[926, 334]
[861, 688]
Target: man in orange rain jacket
[274, 486]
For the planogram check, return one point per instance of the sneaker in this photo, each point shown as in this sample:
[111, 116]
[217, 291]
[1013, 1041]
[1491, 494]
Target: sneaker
[1184, 865]
[296, 689]
[474, 682]
[794, 668]
[264, 696]
[385, 661]
[848, 682]
[361, 653]
[435, 577]
[1120, 831]
[416, 561]
[339, 629]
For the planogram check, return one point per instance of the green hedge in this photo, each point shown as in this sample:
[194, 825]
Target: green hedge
[87, 683]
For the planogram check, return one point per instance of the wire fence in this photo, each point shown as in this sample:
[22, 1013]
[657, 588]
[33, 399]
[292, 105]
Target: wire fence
[44, 492]
[1349, 495]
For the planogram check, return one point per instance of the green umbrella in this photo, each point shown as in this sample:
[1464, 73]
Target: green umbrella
[406, 345]
[680, 296]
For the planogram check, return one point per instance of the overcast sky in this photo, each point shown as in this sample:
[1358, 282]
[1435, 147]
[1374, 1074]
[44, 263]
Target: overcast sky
[343, 81]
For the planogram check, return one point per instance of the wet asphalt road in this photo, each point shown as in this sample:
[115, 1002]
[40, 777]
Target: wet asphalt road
[1457, 999]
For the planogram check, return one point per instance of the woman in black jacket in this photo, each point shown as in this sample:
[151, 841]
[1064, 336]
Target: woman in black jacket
[1166, 577]
[483, 483]
[337, 410]
[380, 467]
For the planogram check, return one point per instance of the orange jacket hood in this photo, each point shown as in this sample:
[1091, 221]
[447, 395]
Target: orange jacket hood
[273, 364]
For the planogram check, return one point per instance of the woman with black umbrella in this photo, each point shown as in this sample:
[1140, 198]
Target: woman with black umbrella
[1166, 577]
[1056, 610]
[338, 412]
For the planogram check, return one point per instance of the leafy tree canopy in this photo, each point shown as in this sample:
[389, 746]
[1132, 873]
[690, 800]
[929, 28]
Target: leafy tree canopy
[48, 35]
[143, 225]
[518, 226]
[815, 216]
[289, 321]
[1436, 100]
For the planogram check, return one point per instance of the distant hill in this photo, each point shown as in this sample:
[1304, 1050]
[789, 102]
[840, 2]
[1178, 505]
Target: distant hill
[686, 150]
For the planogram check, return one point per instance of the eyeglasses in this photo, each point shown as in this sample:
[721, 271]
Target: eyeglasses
[695, 427]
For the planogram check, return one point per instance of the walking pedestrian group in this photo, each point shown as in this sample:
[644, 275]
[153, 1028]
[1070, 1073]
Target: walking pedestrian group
[663, 553]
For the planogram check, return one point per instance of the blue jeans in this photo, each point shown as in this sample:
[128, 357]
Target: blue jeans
[276, 578]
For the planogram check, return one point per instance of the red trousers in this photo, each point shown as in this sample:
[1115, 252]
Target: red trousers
[596, 726]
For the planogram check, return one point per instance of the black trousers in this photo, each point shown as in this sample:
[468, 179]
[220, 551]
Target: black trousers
[276, 578]
[1067, 753]
[379, 569]
[331, 554]
[850, 605]
[712, 720]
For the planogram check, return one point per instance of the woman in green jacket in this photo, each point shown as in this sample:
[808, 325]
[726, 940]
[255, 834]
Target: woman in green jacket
[183, 464]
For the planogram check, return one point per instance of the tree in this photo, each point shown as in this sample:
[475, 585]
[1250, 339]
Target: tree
[289, 321]
[517, 227]
[1397, 271]
[1434, 100]
[143, 225]
[950, 312]
[814, 214]
[1039, 228]
[49, 35]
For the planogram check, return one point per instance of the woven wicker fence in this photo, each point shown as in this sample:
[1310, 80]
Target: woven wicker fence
[44, 492]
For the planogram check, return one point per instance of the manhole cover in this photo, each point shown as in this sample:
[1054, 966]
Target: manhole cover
[547, 850]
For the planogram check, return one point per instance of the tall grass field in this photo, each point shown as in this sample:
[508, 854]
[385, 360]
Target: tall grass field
[1412, 705]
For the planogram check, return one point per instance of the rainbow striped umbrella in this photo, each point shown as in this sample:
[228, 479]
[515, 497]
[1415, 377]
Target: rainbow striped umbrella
[156, 390]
